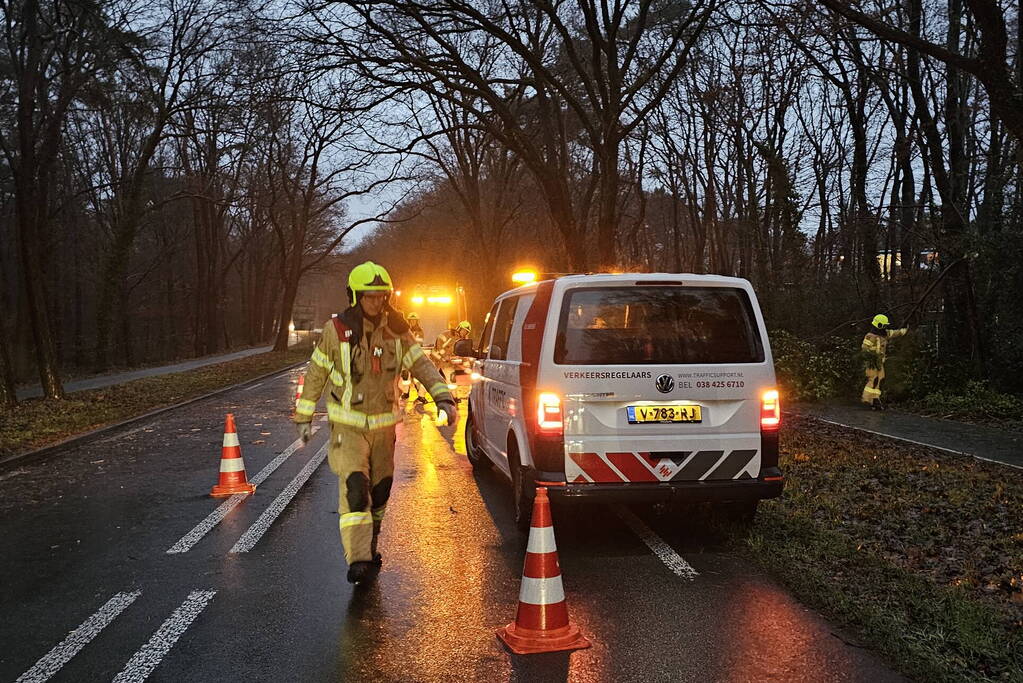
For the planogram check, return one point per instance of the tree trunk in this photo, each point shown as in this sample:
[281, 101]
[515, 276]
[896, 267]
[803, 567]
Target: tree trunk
[8, 396]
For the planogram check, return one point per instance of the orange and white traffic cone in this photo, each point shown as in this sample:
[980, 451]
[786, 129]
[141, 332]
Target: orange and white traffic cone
[299, 390]
[232, 467]
[541, 623]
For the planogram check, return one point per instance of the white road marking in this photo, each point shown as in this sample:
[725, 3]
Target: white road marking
[261, 525]
[60, 655]
[916, 443]
[664, 552]
[257, 384]
[186, 542]
[149, 656]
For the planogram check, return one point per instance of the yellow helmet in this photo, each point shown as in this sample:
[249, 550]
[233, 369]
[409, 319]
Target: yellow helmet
[413, 316]
[880, 321]
[367, 277]
[466, 325]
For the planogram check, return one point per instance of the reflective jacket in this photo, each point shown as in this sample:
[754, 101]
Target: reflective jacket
[444, 347]
[358, 365]
[878, 343]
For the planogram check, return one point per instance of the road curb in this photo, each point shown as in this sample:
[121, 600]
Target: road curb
[18, 459]
[893, 437]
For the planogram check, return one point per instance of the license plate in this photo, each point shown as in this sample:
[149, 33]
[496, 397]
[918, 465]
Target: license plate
[641, 414]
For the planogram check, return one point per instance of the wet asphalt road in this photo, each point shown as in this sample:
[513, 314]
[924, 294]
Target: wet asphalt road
[91, 593]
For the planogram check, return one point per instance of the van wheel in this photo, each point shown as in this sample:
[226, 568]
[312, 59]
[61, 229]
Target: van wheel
[476, 457]
[522, 491]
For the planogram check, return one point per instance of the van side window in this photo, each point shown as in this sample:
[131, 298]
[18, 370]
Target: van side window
[488, 327]
[503, 323]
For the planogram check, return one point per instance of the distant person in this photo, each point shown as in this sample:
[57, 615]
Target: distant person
[875, 351]
[444, 349]
[357, 363]
[415, 327]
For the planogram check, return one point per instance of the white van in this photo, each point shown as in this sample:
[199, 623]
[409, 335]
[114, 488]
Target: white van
[627, 387]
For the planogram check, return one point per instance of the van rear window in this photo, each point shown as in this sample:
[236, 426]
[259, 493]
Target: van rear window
[657, 325]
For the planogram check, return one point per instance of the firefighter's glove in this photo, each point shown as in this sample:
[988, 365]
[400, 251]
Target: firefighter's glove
[449, 411]
[305, 431]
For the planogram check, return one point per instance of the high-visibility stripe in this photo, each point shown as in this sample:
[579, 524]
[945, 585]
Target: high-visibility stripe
[346, 374]
[355, 519]
[305, 407]
[378, 513]
[541, 540]
[321, 359]
[438, 389]
[541, 591]
[232, 465]
[336, 378]
[230, 439]
[355, 418]
[414, 354]
[382, 420]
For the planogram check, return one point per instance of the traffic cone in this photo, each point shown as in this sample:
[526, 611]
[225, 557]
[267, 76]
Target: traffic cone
[299, 390]
[232, 467]
[541, 623]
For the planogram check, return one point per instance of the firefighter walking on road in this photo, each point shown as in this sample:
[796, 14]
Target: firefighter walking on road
[875, 351]
[444, 347]
[357, 363]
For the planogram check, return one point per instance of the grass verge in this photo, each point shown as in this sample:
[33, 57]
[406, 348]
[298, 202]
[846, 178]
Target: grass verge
[37, 422]
[918, 553]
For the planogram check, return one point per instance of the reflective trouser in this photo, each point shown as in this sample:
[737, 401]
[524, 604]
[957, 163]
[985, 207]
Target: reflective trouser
[872, 389]
[364, 465]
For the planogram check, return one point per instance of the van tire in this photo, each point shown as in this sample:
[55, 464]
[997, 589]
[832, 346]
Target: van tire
[476, 457]
[522, 492]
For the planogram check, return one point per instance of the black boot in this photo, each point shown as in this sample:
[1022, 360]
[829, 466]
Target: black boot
[360, 572]
[877, 405]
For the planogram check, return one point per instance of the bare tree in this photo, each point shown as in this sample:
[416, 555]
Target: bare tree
[540, 77]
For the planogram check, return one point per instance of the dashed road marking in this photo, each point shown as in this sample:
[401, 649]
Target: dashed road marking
[257, 384]
[60, 655]
[664, 552]
[261, 525]
[149, 656]
[186, 542]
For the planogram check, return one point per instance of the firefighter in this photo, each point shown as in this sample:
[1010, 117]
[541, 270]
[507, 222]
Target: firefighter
[415, 328]
[443, 347]
[357, 363]
[875, 349]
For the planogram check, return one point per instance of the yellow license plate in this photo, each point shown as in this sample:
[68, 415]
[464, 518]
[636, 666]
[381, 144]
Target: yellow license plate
[641, 414]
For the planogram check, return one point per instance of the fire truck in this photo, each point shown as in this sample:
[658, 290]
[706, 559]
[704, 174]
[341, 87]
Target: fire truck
[437, 305]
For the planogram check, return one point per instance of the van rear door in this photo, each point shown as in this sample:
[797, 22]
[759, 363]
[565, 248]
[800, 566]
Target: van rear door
[662, 382]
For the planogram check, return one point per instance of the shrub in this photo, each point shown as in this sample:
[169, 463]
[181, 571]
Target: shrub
[816, 372]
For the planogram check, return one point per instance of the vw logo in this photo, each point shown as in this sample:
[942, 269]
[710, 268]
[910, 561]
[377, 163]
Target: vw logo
[664, 384]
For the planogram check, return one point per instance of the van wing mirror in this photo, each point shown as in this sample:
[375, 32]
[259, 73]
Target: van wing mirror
[463, 348]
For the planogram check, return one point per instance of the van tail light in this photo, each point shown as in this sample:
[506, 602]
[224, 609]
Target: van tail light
[548, 413]
[770, 411]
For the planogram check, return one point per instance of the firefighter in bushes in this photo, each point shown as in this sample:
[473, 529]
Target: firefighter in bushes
[357, 363]
[875, 350]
